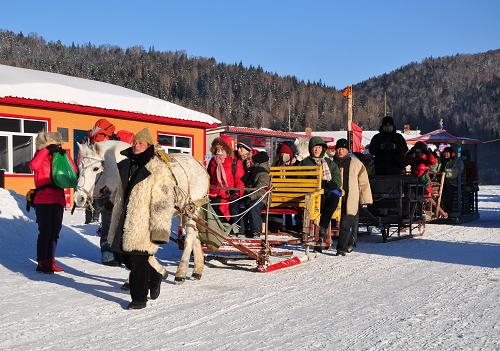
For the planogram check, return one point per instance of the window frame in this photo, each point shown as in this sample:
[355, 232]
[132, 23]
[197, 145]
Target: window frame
[183, 150]
[10, 145]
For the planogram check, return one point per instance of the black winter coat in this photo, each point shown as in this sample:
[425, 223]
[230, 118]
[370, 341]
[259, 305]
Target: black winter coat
[389, 150]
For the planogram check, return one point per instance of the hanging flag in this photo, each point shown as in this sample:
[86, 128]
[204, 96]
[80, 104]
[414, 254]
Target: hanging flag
[357, 132]
[347, 91]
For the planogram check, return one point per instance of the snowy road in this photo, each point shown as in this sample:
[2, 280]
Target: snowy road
[438, 292]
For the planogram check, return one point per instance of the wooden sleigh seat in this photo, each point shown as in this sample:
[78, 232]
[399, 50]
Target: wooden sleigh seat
[297, 190]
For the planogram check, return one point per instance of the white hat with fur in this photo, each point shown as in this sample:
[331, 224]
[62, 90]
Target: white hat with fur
[44, 139]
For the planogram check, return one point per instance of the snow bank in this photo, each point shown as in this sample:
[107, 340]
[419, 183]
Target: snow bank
[438, 292]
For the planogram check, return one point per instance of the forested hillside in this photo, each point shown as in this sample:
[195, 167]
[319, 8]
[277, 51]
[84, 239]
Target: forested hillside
[464, 90]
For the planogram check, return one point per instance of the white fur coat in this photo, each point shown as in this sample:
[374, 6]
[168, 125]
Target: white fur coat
[148, 214]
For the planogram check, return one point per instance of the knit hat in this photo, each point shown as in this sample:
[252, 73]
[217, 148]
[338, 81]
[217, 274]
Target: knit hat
[144, 135]
[246, 144]
[342, 143]
[388, 120]
[260, 157]
[44, 139]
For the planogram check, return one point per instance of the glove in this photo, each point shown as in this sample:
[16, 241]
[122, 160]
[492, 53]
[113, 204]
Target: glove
[336, 192]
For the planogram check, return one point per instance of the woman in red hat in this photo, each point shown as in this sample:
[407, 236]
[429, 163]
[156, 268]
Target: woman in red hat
[225, 171]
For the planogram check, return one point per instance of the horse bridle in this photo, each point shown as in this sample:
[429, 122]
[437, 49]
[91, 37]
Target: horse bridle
[90, 197]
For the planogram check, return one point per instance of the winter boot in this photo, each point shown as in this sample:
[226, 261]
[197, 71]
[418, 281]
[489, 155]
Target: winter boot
[55, 267]
[155, 284]
[136, 305]
[45, 266]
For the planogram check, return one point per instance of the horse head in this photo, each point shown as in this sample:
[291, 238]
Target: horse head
[302, 145]
[91, 168]
[98, 170]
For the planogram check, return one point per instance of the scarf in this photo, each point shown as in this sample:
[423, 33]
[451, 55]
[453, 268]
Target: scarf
[219, 170]
[327, 175]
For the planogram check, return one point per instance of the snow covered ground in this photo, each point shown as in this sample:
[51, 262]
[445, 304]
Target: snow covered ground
[438, 292]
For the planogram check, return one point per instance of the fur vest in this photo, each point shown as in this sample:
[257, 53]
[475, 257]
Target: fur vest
[142, 220]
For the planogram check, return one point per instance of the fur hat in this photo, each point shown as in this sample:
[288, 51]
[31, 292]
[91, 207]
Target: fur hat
[342, 143]
[44, 139]
[260, 157]
[246, 144]
[144, 135]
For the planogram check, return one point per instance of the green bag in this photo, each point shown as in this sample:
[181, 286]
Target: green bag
[63, 173]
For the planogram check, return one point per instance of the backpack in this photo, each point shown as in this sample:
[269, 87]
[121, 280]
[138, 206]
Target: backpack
[102, 130]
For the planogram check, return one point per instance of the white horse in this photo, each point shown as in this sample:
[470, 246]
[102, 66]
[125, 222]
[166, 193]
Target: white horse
[302, 145]
[98, 169]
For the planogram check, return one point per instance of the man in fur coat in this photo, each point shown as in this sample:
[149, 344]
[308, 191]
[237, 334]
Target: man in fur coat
[141, 216]
[356, 191]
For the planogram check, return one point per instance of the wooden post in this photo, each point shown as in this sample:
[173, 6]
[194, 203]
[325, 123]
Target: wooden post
[349, 118]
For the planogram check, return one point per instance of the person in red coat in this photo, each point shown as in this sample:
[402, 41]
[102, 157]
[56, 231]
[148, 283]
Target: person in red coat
[225, 171]
[420, 158]
[49, 200]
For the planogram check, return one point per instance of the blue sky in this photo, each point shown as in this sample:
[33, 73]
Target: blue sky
[337, 42]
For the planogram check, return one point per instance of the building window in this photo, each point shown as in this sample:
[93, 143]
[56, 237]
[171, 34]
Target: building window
[64, 134]
[4, 155]
[175, 144]
[17, 143]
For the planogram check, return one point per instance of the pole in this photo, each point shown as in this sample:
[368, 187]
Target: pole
[349, 118]
[385, 104]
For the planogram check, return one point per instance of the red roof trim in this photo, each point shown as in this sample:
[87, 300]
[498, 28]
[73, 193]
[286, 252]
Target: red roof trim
[103, 112]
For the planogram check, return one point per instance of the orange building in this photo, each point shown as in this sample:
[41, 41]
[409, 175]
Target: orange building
[31, 101]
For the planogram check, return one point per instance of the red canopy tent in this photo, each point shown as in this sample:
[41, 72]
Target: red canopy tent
[442, 136]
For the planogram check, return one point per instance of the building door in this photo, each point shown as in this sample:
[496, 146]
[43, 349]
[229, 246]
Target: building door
[78, 137]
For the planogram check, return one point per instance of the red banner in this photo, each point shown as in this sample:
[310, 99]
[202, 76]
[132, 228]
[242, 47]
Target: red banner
[357, 132]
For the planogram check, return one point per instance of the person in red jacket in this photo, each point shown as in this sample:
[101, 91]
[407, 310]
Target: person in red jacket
[49, 200]
[420, 158]
[225, 171]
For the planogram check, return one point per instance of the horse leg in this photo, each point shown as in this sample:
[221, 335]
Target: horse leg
[199, 262]
[180, 275]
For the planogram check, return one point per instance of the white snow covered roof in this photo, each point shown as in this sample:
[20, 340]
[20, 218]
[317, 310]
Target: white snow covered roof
[39, 85]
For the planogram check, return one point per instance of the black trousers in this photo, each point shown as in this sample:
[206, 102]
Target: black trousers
[142, 276]
[234, 210]
[49, 219]
[348, 231]
[329, 205]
